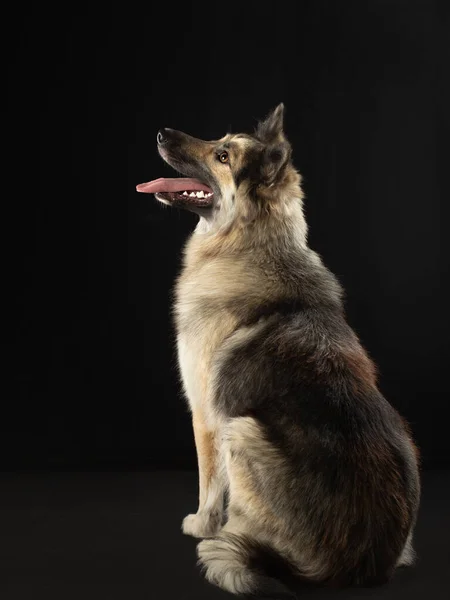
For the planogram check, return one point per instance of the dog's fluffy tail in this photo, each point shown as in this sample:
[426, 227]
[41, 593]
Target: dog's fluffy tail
[241, 565]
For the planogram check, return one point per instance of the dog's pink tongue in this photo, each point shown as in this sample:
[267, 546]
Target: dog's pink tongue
[178, 184]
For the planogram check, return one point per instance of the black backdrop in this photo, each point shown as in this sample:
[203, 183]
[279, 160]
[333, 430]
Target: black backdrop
[90, 375]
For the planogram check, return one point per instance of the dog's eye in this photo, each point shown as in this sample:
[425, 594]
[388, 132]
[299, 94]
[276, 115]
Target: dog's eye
[223, 157]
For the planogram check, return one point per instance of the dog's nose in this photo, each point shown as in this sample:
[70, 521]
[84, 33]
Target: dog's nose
[163, 135]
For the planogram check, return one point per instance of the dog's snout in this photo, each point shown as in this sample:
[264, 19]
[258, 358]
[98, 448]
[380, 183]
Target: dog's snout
[163, 136]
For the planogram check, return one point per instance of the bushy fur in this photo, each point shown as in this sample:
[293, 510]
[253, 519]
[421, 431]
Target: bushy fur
[321, 472]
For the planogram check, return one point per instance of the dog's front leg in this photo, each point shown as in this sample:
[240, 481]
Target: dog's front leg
[208, 519]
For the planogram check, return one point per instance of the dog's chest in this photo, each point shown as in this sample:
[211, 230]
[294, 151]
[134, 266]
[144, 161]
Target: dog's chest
[193, 369]
[202, 325]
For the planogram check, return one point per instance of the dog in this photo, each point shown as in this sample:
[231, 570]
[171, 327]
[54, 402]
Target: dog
[319, 472]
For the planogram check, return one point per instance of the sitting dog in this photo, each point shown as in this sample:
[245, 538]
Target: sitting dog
[320, 471]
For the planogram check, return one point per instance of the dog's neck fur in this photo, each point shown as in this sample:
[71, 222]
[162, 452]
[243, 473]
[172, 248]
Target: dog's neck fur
[275, 216]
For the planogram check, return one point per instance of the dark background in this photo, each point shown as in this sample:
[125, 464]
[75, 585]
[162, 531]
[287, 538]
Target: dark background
[90, 375]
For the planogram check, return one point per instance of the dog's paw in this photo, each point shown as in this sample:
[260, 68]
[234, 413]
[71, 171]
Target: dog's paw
[201, 525]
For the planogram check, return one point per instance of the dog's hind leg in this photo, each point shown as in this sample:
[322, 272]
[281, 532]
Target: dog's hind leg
[237, 559]
[208, 519]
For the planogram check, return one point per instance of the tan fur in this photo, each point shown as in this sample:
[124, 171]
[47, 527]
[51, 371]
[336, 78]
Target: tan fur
[208, 519]
[243, 438]
[205, 442]
[200, 334]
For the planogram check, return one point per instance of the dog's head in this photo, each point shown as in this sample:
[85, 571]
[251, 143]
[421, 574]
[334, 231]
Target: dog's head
[238, 175]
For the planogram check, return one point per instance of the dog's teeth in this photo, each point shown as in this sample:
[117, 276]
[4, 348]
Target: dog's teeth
[192, 194]
[200, 194]
[185, 194]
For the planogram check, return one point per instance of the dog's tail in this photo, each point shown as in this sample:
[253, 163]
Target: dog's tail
[241, 565]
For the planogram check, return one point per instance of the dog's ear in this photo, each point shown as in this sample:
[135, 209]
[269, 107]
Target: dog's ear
[270, 130]
[274, 161]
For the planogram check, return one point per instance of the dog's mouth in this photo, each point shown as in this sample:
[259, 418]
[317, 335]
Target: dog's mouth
[179, 191]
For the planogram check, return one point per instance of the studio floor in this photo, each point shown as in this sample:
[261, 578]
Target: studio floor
[116, 535]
